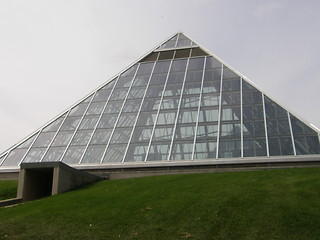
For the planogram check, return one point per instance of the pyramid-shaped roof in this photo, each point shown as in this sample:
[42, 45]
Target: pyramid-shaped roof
[177, 103]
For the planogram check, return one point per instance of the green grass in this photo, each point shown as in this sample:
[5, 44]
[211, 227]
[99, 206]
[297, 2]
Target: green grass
[274, 204]
[8, 189]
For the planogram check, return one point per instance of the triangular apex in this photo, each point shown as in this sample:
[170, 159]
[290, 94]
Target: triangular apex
[183, 104]
[177, 41]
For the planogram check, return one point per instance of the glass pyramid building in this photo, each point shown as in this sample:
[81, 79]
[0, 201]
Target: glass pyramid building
[177, 103]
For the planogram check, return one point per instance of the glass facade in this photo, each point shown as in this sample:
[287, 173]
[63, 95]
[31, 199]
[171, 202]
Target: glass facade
[178, 103]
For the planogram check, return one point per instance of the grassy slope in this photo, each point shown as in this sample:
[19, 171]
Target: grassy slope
[8, 189]
[277, 204]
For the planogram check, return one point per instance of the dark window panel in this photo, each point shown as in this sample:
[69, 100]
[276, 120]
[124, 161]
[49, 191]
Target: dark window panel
[150, 104]
[151, 57]
[194, 76]
[165, 55]
[274, 146]
[124, 82]
[196, 64]
[230, 130]
[286, 146]
[154, 92]
[212, 75]
[229, 85]
[231, 98]
[198, 52]
[158, 79]
[161, 67]
[182, 53]
[186, 116]
[313, 144]
[230, 114]
[131, 71]
[189, 102]
[179, 65]
[229, 148]
[176, 78]
[119, 94]
[247, 86]
[145, 69]
[170, 43]
[301, 145]
[173, 90]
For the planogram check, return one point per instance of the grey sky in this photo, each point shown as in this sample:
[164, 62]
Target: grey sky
[52, 53]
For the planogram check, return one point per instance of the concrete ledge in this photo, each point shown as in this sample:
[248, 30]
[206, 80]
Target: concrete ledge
[9, 202]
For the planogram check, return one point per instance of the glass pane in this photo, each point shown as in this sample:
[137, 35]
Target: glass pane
[95, 108]
[187, 116]
[70, 123]
[192, 88]
[229, 148]
[205, 150]
[126, 120]
[181, 151]
[73, 155]
[107, 121]
[210, 100]
[79, 109]
[132, 105]
[301, 145]
[119, 94]
[158, 152]
[145, 69]
[102, 95]
[230, 130]
[93, 154]
[313, 144]
[14, 157]
[54, 154]
[185, 132]
[113, 106]
[207, 132]
[170, 43]
[54, 125]
[121, 135]
[110, 84]
[34, 155]
[189, 102]
[27, 143]
[136, 92]
[115, 153]
[124, 82]
[230, 114]
[101, 136]
[44, 139]
[141, 134]
[146, 118]
[163, 133]
[209, 115]
[62, 139]
[166, 118]
[81, 137]
[158, 79]
[136, 153]
[89, 122]
[161, 67]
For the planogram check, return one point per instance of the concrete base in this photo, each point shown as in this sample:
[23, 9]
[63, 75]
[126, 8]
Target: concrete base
[37, 180]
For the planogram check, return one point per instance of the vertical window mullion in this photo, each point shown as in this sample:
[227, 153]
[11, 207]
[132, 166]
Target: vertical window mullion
[241, 115]
[291, 133]
[265, 124]
[219, 116]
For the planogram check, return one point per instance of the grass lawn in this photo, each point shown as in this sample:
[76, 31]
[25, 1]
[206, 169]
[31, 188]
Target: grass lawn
[8, 189]
[273, 204]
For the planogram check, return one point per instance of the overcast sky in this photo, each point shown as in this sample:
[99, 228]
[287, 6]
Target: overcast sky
[52, 53]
